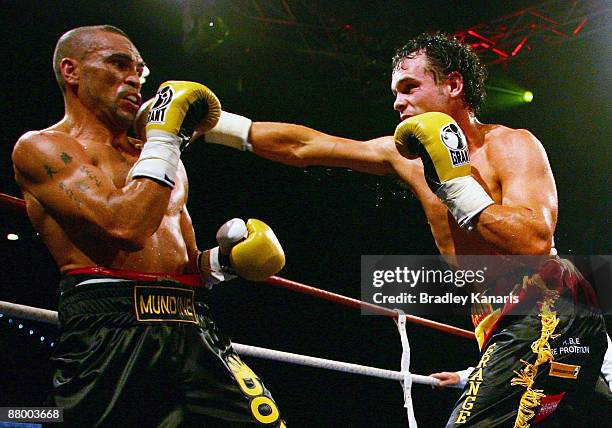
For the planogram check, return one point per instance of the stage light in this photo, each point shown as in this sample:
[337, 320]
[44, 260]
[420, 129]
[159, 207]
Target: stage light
[12, 237]
[203, 33]
[506, 95]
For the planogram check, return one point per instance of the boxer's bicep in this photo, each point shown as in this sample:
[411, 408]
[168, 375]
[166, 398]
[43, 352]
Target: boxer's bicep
[57, 172]
[523, 219]
[526, 179]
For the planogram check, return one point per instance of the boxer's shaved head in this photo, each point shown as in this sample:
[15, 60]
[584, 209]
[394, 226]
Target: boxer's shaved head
[76, 43]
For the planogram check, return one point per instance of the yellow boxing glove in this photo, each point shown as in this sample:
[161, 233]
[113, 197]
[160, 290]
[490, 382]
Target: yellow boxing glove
[172, 117]
[179, 108]
[259, 255]
[440, 143]
[249, 250]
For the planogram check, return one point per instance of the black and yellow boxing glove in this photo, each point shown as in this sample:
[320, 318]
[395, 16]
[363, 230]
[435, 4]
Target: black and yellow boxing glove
[177, 111]
[442, 147]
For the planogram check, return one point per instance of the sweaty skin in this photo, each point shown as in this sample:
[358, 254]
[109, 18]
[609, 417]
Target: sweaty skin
[510, 164]
[73, 173]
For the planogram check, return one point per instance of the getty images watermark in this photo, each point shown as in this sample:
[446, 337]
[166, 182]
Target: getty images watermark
[465, 284]
[403, 276]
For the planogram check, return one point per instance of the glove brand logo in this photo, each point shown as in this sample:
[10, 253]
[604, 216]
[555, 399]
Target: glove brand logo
[454, 140]
[157, 114]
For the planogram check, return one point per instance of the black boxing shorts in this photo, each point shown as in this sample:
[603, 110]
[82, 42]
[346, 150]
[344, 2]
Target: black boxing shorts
[594, 415]
[136, 350]
[537, 362]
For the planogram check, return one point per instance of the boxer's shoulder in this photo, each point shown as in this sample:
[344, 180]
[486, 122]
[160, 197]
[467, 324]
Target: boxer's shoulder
[496, 135]
[46, 155]
[46, 140]
[506, 145]
[45, 144]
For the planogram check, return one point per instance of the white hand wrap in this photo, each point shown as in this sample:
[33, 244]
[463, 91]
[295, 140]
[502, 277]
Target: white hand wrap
[217, 274]
[232, 130]
[159, 158]
[465, 198]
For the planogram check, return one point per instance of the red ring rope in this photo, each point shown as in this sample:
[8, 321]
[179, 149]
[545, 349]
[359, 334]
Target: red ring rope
[358, 304]
[13, 203]
[18, 205]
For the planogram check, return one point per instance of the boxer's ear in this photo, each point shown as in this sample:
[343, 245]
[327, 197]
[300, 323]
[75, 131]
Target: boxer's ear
[70, 70]
[454, 81]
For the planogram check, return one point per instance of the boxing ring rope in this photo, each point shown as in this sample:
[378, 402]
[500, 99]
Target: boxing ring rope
[18, 205]
[358, 304]
[50, 317]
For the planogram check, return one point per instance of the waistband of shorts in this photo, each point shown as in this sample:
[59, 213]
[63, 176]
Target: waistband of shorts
[93, 272]
[161, 299]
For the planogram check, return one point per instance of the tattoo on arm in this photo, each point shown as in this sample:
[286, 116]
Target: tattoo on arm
[50, 170]
[66, 158]
[91, 175]
[70, 194]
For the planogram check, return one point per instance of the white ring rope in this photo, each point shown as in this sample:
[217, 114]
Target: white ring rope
[50, 317]
[29, 312]
[323, 363]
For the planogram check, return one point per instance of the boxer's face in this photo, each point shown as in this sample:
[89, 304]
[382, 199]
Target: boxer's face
[416, 90]
[109, 83]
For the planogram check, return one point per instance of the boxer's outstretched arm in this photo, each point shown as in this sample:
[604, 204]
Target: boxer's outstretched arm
[525, 220]
[302, 146]
[53, 168]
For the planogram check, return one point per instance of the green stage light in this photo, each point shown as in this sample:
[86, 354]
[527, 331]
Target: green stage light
[507, 96]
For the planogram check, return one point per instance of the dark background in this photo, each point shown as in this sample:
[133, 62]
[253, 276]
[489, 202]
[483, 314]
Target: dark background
[325, 218]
